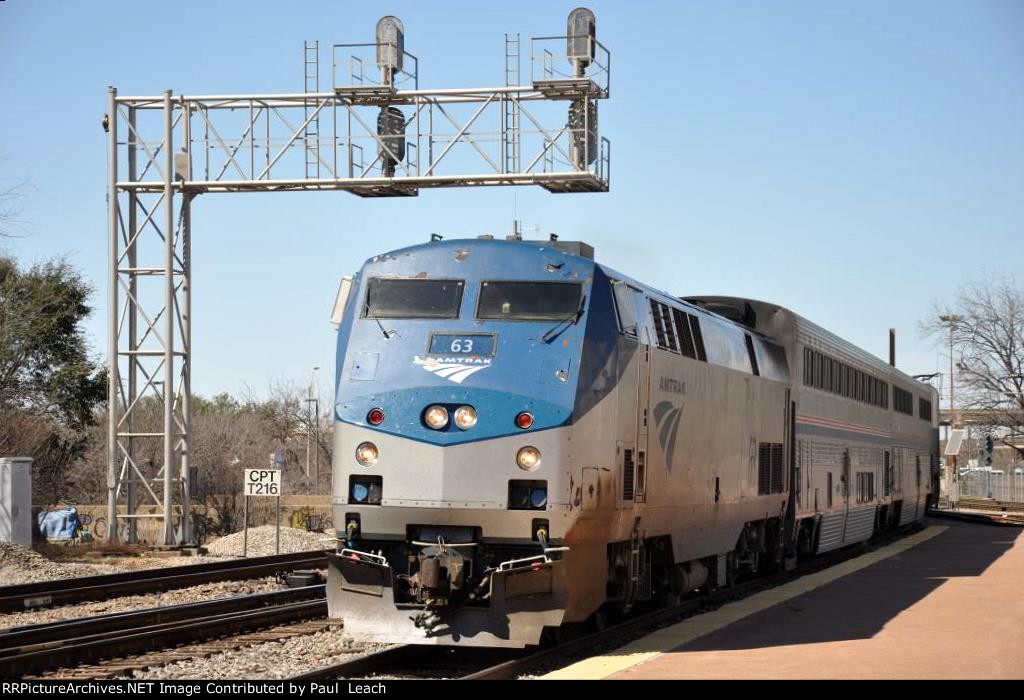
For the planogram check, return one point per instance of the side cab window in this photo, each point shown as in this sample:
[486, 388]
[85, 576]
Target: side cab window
[628, 312]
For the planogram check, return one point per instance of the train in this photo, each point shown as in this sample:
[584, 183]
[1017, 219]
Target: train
[527, 440]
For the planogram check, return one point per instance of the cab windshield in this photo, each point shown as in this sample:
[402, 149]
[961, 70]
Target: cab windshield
[413, 298]
[529, 301]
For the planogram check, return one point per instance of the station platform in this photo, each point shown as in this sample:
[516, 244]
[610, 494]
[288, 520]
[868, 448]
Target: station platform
[946, 602]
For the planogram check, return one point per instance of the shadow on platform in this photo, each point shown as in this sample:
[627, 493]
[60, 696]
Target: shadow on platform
[857, 606]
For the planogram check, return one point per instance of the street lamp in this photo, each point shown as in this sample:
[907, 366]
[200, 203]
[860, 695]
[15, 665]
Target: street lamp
[951, 320]
[313, 404]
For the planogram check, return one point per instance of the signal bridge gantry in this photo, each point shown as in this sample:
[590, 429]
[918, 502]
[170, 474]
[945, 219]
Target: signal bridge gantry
[374, 133]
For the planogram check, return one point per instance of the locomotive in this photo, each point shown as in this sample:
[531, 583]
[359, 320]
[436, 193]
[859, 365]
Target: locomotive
[525, 439]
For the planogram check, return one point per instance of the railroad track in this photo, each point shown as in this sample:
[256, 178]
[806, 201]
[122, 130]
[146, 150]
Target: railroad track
[411, 661]
[993, 517]
[128, 667]
[70, 644]
[424, 660]
[75, 643]
[991, 504]
[49, 593]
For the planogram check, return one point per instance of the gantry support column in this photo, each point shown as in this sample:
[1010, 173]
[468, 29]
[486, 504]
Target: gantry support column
[113, 382]
[169, 391]
[129, 474]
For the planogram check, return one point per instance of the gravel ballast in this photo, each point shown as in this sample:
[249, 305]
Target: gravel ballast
[270, 660]
[262, 542]
[22, 565]
[194, 594]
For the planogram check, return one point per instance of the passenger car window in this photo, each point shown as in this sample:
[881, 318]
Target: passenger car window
[412, 298]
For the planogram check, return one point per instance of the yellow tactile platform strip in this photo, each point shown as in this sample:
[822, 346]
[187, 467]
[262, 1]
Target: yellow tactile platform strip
[668, 638]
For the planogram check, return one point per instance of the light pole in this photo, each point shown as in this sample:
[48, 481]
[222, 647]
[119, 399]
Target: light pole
[951, 320]
[313, 403]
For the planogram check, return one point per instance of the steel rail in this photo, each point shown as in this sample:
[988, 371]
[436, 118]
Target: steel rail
[418, 661]
[362, 665]
[91, 648]
[994, 517]
[44, 594]
[19, 640]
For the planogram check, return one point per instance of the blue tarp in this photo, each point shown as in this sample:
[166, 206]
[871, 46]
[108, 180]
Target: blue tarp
[59, 524]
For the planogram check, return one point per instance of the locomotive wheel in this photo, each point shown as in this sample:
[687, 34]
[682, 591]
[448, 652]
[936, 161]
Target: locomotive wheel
[803, 542]
[556, 636]
[600, 620]
[732, 570]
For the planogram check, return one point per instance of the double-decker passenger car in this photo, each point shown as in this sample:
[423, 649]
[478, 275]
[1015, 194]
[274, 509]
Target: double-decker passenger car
[525, 438]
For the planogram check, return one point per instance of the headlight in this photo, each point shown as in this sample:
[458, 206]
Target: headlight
[528, 458]
[539, 497]
[366, 454]
[436, 417]
[465, 417]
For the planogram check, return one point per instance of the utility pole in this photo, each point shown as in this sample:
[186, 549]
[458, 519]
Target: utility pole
[951, 320]
[310, 418]
[316, 438]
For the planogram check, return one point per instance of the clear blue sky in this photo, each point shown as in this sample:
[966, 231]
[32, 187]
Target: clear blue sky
[850, 160]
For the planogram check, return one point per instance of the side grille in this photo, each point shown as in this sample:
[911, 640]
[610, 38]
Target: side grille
[628, 468]
[769, 468]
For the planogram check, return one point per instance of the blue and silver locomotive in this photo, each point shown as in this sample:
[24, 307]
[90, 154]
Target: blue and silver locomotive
[525, 438]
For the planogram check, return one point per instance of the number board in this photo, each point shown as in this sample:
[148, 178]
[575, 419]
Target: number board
[478, 344]
[262, 482]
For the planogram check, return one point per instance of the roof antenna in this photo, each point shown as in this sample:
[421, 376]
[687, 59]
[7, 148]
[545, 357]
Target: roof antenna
[553, 236]
[435, 237]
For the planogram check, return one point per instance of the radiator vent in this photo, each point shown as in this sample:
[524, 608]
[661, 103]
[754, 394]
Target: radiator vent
[628, 468]
[769, 468]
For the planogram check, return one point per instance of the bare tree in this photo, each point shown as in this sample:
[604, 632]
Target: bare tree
[13, 192]
[294, 424]
[228, 434]
[985, 323]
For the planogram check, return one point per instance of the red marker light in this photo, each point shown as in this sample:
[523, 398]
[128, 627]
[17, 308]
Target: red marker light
[375, 416]
[524, 420]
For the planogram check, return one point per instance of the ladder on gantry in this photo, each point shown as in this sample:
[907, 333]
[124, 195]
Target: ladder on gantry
[511, 113]
[311, 133]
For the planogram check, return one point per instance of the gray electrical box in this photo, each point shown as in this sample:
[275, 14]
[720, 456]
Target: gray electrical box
[16, 500]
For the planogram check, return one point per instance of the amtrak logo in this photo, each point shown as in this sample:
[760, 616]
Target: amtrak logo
[666, 418]
[451, 368]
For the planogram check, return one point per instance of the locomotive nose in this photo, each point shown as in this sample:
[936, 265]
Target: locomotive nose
[522, 470]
